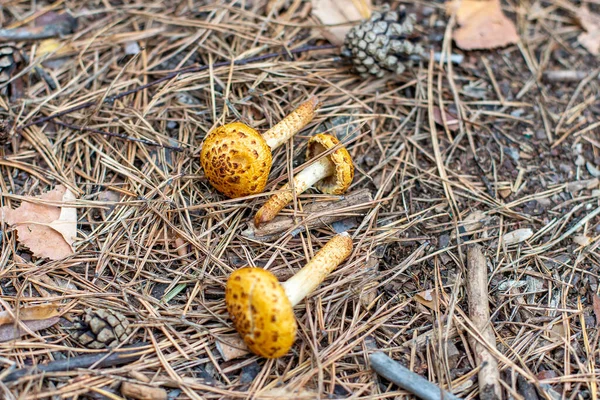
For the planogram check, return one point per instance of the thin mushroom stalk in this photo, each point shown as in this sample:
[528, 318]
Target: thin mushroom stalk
[237, 159]
[331, 174]
[261, 307]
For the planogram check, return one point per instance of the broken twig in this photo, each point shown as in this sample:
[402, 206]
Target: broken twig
[406, 379]
[479, 312]
[329, 211]
[107, 359]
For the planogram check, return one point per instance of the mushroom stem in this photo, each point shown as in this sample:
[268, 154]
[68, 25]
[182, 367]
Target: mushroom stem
[312, 274]
[292, 124]
[302, 181]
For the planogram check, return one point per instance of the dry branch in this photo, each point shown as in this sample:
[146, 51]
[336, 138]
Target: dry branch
[479, 312]
[406, 379]
[328, 212]
[142, 392]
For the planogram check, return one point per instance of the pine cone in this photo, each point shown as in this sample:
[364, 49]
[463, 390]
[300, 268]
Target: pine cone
[383, 43]
[7, 62]
[101, 328]
[5, 127]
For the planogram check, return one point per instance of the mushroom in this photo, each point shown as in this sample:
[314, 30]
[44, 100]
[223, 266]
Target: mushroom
[237, 159]
[261, 308]
[332, 174]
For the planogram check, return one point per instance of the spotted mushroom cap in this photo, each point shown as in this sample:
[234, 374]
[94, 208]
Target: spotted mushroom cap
[339, 182]
[236, 160]
[261, 312]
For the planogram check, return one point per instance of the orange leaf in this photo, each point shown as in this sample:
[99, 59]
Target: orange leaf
[427, 298]
[483, 25]
[32, 313]
[48, 231]
[11, 332]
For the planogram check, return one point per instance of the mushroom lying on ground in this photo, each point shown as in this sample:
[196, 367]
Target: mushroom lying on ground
[331, 174]
[237, 159]
[261, 308]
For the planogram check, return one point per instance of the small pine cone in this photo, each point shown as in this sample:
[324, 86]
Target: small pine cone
[8, 62]
[5, 128]
[101, 328]
[383, 43]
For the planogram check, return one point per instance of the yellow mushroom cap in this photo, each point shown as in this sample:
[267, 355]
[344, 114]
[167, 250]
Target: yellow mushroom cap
[236, 160]
[261, 312]
[339, 182]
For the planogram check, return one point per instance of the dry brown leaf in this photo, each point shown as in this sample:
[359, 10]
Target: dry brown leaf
[334, 12]
[451, 119]
[48, 231]
[31, 313]
[596, 307]
[483, 25]
[427, 298]
[590, 39]
[13, 331]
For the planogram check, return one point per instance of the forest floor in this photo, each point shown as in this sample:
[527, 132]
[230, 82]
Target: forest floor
[514, 170]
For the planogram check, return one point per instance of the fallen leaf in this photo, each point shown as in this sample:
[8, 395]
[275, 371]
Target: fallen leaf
[596, 307]
[31, 313]
[517, 236]
[590, 39]
[427, 298]
[451, 119]
[334, 12]
[483, 25]
[13, 331]
[582, 240]
[48, 231]
[232, 347]
[54, 46]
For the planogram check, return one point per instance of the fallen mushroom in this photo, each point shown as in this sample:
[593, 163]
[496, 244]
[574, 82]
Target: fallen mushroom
[237, 159]
[261, 307]
[331, 174]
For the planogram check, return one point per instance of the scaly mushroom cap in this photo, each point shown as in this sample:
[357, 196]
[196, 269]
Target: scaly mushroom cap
[236, 160]
[339, 182]
[261, 311]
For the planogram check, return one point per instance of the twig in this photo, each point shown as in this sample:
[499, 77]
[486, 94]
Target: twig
[119, 135]
[564, 76]
[479, 312]
[36, 33]
[107, 359]
[187, 70]
[329, 211]
[406, 379]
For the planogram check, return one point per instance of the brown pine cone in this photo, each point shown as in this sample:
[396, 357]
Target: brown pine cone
[8, 62]
[101, 328]
[383, 43]
[5, 127]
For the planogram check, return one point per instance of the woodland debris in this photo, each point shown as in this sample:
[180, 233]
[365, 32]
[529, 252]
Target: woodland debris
[483, 25]
[517, 236]
[142, 392]
[590, 39]
[231, 347]
[318, 214]
[48, 26]
[48, 231]
[122, 356]
[34, 318]
[101, 328]
[406, 379]
[479, 312]
[342, 13]
[564, 76]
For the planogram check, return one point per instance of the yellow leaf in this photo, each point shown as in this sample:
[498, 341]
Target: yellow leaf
[32, 313]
